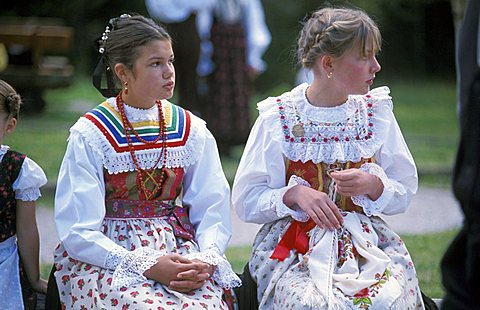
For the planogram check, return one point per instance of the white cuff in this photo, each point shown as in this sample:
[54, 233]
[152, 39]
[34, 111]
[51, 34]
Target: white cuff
[281, 209]
[29, 194]
[130, 266]
[223, 274]
[376, 207]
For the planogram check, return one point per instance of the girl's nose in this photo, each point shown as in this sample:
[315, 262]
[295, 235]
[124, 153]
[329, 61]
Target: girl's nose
[169, 71]
[376, 65]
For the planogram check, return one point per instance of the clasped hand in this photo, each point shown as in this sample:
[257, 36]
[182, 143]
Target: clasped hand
[180, 274]
[321, 209]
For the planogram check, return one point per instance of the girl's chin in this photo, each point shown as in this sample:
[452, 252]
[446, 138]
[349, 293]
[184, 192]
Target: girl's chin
[164, 96]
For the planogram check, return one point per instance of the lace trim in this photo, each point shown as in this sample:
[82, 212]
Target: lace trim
[375, 207]
[3, 149]
[349, 132]
[178, 156]
[114, 258]
[281, 209]
[224, 274]
[28, 194]
[136, 114]
[130, 266]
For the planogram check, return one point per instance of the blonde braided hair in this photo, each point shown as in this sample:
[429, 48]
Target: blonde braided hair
[332, 31]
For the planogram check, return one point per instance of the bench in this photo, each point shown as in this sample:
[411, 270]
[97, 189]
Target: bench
[37, 51]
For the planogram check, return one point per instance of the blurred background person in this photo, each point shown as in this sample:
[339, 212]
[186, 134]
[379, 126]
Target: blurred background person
[179, 17]
[461, 262]
[234, 38]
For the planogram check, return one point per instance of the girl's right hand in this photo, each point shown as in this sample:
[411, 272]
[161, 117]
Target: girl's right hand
[321, 209]
[168, 268]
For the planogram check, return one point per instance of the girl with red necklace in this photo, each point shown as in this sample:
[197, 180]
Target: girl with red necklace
[142, 204]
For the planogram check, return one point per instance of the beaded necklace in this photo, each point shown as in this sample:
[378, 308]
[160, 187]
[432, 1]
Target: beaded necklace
[162, 134]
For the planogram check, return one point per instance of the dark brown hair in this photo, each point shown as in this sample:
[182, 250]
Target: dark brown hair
[120, 43]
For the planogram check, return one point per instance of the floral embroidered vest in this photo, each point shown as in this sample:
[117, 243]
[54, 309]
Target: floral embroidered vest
[9, 169]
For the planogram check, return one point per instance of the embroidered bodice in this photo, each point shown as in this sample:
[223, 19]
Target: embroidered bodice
[349, 132]
[292, 140]
[124, 185]
[317, 175]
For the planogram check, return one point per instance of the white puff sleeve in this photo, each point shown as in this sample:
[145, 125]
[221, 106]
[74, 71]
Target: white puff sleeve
[29, 180]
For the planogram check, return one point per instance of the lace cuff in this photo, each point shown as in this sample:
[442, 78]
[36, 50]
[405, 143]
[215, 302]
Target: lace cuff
[130, 266]
[281, 209]
[375, 207]
[223, 274]
[29, 194]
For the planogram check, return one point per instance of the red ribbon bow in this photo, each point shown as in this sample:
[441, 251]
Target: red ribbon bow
[295, 238]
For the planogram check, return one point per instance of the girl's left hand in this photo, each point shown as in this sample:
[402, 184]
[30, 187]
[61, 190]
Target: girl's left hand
[355, 182]
[192, 279]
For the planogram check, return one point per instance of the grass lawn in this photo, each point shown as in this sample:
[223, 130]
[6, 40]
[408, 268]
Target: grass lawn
[426, 113]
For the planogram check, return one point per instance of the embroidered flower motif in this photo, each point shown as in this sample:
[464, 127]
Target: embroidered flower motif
[359, 127]
[365, 227]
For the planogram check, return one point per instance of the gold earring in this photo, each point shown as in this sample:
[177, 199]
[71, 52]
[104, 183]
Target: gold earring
[330, 74]
[126, 87]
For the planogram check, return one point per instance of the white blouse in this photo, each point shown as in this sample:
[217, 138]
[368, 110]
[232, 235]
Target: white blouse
[80, 195]
[29, 180]
[362, 127]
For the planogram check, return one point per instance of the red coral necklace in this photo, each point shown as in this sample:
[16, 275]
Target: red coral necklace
[162, 134]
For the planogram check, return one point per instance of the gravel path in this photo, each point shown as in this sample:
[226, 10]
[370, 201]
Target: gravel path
[432, 210]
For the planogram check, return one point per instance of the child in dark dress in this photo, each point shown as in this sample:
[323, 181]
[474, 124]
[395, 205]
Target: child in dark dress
[20, 182]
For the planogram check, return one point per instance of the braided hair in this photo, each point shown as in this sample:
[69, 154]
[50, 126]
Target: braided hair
[332, 31]
[10, 100]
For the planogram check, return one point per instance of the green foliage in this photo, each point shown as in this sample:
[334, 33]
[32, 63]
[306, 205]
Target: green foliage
[418, 37]
[418, 34]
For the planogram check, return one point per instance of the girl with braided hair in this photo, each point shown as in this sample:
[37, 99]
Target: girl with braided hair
[322, 163]
[142, 204]
[20, 182]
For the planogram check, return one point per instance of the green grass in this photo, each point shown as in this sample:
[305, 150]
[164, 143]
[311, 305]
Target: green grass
[427, 252]
[43, 137]
[426, 113]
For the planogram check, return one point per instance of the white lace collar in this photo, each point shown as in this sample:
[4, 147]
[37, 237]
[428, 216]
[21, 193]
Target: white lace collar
[136, 114]
[348, 132]
[305, 108]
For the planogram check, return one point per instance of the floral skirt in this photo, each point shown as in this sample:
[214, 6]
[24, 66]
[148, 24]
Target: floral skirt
[85, 286]
[363, 265]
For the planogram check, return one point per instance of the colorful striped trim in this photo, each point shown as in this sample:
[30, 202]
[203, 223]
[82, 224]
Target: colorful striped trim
[109, 122]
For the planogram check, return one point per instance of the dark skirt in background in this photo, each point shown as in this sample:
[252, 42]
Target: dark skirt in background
[230, 87]
[186, 45]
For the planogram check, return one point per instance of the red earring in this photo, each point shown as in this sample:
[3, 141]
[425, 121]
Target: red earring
[126, 88]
